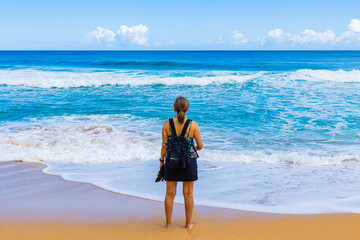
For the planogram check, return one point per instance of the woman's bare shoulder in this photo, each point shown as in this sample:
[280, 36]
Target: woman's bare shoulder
[166, 123]
[166, 127]
[194, 123]
[194, 126]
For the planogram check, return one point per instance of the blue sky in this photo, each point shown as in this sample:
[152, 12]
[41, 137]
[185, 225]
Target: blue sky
[225, 24]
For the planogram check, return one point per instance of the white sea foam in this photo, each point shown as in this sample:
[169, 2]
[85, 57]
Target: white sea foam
[255, 187]
[49, 79]
[325, 75]
[278, 157]
[78, 139]
[111, 150]
[121, 138]
[62, 79]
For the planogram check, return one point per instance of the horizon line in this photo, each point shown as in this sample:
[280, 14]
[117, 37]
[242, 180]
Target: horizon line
[184, 50]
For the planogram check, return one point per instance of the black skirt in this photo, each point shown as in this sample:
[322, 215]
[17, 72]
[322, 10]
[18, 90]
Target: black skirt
[187, 174]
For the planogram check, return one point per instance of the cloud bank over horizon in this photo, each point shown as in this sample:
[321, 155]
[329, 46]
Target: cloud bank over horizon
[139, 36]
[308, 36]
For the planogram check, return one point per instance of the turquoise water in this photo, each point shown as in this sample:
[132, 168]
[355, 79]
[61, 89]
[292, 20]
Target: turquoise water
[280, 129]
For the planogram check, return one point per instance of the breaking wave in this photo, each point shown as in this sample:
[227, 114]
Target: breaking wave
[98, 139]
[64, 79]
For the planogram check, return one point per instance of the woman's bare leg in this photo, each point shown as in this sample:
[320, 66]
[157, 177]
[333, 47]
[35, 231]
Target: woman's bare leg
[169, 201]
[189, 202]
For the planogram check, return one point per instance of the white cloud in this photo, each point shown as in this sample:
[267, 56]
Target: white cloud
[278, 35]
[305, 37]
[349, 37]
[101, 35]
[138, 34]
[238, 38]
[309, 36]
[354, 25]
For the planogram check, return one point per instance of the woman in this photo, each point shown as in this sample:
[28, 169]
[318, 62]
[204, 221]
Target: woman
[186, 175]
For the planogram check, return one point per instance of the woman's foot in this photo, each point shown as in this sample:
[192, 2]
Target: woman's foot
[168, 225]
[189, 225]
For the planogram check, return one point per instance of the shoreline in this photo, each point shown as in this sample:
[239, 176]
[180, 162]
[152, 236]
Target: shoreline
[159, 201]
[84, 191]
[34, 205]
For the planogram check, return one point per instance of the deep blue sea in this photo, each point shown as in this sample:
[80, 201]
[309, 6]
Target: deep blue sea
[281, 129]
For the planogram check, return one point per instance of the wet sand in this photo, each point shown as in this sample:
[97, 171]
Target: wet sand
[34, 205]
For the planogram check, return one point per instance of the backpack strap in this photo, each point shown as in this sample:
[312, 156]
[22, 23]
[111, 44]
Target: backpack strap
[172, 127]
[185, 127]
[189, 129]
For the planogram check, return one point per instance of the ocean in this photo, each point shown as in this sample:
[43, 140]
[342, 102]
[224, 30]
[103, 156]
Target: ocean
[280, 129]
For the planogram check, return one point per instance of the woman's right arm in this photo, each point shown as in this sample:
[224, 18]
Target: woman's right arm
[164, 140]
[197, 136]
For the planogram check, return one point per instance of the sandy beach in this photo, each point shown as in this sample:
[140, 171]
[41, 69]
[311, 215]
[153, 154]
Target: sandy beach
[34, 205]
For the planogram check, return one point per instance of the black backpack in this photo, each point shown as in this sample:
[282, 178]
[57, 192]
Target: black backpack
[178, 155]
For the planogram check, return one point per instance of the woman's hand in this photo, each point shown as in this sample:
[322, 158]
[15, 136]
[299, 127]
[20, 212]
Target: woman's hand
[161, 164]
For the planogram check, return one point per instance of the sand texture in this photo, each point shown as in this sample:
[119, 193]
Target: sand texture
[34, 205]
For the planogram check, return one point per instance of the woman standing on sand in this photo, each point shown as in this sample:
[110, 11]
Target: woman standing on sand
[175, 127]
